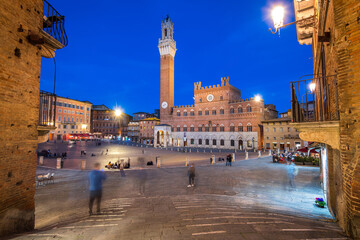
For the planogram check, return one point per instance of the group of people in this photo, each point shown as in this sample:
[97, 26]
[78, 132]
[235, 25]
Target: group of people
[112, 165]
[229, 159]
[49, 154]
[283, 157]
[117, 165]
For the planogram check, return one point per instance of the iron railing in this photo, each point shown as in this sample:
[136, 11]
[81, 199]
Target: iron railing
[314, 98]
[47, 109]
[53, 23]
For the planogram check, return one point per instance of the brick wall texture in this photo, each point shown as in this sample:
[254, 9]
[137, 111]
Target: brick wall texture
[341, 57]
[347, 42]
[167, 84]
[19, 103]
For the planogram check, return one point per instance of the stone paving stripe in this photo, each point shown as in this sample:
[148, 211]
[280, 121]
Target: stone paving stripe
[208, 218]
[189, 207]
[206, 207]
[106, 215]
[301, 230]
[205, 233]
[99, 220]
[112, 212]
[91, 226]
[46, 235]
[235, 223]
[234, 213]
[324, 238]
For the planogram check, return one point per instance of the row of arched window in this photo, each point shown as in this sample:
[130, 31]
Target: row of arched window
[212, 112]
[215, 141]
[213, 128]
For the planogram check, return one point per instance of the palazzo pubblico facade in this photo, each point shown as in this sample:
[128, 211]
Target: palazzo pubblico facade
[219, 118]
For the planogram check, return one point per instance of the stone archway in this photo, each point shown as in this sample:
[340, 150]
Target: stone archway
[162, 135]
[167, 138]
[159, 137]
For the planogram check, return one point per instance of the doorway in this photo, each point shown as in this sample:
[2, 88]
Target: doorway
[240, 144]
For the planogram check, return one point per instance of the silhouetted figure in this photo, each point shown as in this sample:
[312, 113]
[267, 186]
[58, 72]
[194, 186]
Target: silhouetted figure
[191, 173]
[96, 177]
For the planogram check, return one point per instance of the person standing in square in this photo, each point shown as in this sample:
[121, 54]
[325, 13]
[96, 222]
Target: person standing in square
[96, 177]
[191, 173]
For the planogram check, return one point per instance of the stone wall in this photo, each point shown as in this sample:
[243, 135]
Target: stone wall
[347, 42]
[19, 109]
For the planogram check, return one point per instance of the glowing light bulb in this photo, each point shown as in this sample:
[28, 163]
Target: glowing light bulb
[278, 16]
[312, 87]
[117, 112]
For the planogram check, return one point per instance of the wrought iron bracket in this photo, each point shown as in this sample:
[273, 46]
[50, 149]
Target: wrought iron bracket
[304, 21]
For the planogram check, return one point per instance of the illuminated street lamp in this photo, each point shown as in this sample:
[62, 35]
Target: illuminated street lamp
[257, 98]
[278, 14]
[117, 112]
[312, 87]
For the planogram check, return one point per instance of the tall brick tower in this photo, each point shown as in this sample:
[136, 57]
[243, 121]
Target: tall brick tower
[167, 49]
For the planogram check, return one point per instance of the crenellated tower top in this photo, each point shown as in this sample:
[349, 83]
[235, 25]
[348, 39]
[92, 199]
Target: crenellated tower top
[167, 44]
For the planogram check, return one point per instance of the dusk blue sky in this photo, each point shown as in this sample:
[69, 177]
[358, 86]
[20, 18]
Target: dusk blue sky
[112, 57]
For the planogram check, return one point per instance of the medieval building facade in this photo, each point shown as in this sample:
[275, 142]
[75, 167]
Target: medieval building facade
[105, 123]
[219, 117]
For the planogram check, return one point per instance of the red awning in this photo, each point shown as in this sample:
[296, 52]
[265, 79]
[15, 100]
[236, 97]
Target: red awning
[314, 150]
[304, 150]
[80, 135]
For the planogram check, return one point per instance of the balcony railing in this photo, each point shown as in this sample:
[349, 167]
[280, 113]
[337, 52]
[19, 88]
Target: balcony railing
[47, 109]
[53, 24]
[314, 98]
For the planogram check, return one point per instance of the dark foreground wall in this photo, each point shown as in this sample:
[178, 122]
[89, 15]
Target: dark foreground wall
[19, 99]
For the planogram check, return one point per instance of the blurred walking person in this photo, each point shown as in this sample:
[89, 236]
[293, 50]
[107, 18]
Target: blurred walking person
[292, 171]
[96, 177]
[191, 173]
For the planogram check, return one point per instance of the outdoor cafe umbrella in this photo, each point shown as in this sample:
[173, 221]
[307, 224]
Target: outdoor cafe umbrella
[307, 150]
[304, 150]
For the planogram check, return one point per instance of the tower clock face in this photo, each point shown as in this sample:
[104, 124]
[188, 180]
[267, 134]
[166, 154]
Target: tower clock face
[164, 104]
[210, 97]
